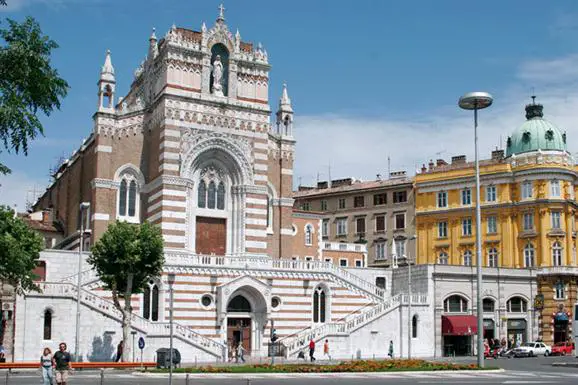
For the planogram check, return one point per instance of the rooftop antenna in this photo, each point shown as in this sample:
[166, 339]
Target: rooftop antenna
[300, 179]
[329, 173]
[388, 167]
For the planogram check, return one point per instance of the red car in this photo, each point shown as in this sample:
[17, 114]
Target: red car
[562, 348]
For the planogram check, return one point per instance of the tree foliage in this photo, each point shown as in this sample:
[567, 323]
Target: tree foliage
[125, 258]
[28, 84]
[19, 251]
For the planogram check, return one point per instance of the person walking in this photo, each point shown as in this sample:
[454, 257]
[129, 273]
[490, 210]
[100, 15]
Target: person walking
[240, 352]
[390, 352]
[311, 350]
[46, 367]
[61, 360]
[119, 349]
[326, 349]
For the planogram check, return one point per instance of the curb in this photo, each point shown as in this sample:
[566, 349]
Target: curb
[566, 364]
[283, 374]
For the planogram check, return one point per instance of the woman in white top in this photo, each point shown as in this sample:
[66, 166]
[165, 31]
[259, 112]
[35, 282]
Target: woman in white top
[46, 366]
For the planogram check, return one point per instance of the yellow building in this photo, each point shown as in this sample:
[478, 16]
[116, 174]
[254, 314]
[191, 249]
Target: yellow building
[528, 215]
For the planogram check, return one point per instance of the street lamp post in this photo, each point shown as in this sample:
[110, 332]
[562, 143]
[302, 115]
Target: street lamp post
[478, 101]
[171, 279]
[84, 206]
[409, 317]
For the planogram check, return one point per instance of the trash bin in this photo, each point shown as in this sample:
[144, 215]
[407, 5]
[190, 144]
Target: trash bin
[164, 357]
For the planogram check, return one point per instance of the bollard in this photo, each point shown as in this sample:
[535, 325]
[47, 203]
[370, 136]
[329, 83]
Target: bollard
[101, 376]
[187, 379]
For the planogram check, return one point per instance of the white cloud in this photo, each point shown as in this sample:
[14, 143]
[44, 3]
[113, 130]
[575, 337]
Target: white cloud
[553, 71]
[18, 188]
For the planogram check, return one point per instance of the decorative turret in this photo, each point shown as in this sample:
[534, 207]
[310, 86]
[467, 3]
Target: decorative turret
[153, 48]
[106, 85]
[285, 114]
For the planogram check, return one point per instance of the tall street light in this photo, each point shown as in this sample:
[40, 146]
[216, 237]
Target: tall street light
[478, 101]
[409, 318]
[84, 206]
[171, 279]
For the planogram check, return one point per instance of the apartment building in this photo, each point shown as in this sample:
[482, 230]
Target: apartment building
[378, 213]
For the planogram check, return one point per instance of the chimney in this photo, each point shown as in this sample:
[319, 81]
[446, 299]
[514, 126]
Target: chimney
[423, 168]
[431, 164]
[441, 162]
[378, 177]
[497, 154]
[398, 174]
[459, 159]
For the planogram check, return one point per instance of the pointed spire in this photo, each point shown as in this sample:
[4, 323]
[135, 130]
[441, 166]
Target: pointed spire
[107, 72]
[204, 27]
[221, 17]
[153, 35]
[285, 101]
[153, 49]
[238, 35]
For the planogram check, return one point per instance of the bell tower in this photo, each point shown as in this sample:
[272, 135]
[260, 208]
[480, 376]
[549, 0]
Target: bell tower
[285, 114]
[106, 86]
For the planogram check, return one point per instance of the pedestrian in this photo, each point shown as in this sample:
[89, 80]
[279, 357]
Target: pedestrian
[2, 353]
[46, 367]
[61, 360]
[390, 352]
[326, 349]
[240, 351]
[311, 350]
[119, 349]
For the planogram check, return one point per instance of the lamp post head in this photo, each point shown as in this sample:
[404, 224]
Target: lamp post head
[84, 206]
[171, 278]
[475, 101]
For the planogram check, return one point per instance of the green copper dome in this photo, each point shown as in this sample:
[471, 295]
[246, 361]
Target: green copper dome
[535, 134]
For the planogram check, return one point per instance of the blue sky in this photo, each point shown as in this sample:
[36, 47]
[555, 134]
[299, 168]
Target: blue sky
[368, 79]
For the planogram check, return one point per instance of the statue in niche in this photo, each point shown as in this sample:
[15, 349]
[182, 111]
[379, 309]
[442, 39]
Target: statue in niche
[218, 76]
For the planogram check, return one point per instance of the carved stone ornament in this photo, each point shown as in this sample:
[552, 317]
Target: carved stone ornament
[212, 173]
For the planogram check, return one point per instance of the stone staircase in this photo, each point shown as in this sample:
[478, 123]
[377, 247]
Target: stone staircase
[142, 325]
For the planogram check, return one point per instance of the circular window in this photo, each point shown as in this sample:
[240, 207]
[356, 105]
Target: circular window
[275, 302]
[206, 300]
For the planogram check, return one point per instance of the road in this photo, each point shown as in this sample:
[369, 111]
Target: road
[517, 371]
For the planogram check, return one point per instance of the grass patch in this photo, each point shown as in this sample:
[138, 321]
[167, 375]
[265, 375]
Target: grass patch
[342, 367]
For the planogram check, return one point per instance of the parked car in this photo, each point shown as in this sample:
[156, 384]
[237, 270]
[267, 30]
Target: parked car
[562, 348]
[532, 349]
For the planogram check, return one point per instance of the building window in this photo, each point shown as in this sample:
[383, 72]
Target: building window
[556, 254]
[380, 251]
[467, 227]
[306, 206]
[492, 225]
[443, 259]
[442, 199]
[456, 304]
[325, 228]
[380, 282]
[414, 327]
[491, 195]
[493, 257]
[400, 247]
[555, 219]
[488, 305]
[128, 198]
[555, 189]
[517, 305]
[150, 307]
[399, 196]
[528, 221]
[343, 262]
[308, 235]
[559, 290]
[358, 201]
[527, 190]
[360, 226]
[400, 221]
[212, 197]
[341, 203]
[442, 229]
[380, 199]
[323, 205]
[47, 324]
[319, 305]
[269, 214]
[529, 255]
[467, 258]
[358, 263]
[466, 196]
[202, 194]
[341, 226]
[380, 223]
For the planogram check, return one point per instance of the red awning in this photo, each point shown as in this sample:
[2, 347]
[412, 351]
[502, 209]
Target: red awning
[459, 325]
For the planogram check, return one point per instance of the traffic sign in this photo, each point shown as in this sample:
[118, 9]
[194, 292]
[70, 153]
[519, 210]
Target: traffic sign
[141, 343]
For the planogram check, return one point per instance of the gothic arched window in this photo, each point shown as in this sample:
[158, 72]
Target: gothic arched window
[128, 198]
[122, 199]
[221, 196]
[211, 195]
[319, 305]
[47, 324]
[132, 199]
[202, 194]
[150, 306]
[308, 235]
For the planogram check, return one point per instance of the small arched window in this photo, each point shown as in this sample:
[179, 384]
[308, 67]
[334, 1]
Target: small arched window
[556, 254]
[211, 195]
[308, 235]
[414, 326]
[529, 255]
[467, 258]
[456, 304]
[150, 307]
[132, 199]
[221, 196]
[517, 305]
[202, 194]
[443, 258]
[319, 305]
[47, 324]
[128, 199]
[488, 305]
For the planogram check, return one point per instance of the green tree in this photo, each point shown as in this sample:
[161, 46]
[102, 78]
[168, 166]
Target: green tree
[125, 258]
[20, 248]
[28, 84]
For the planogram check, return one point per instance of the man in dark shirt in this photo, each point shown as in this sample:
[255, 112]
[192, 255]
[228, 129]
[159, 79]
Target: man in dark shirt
[62, 364]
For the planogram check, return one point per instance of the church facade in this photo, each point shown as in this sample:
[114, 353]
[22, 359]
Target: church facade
[192, 149]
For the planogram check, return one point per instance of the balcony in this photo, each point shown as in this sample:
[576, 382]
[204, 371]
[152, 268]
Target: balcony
[339, 246]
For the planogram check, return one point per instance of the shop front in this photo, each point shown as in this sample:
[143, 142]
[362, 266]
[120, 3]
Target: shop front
[517, 331]
[489, 329]
[458, 332]
[561, 321]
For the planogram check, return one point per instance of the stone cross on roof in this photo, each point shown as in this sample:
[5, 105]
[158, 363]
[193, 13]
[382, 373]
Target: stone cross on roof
[221, 13]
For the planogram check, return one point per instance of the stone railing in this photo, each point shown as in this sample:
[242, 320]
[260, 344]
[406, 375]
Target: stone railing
[160, 329]
[87, 276]
[265, 263]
